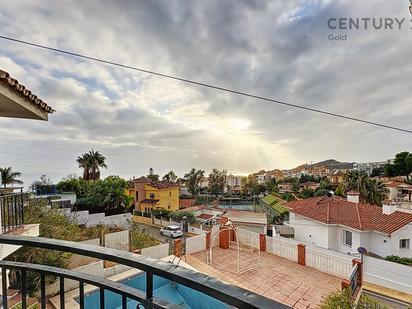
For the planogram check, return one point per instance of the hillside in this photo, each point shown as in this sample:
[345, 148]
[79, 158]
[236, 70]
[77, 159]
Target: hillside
[331, 164]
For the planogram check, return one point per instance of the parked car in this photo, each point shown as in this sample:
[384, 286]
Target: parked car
[173, 231]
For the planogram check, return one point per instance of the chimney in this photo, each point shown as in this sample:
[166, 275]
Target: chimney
[389, 207]
[352, 196]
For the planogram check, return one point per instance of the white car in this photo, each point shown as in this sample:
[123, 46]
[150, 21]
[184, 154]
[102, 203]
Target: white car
[173, 231]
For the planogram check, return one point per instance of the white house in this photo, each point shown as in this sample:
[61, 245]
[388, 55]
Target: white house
[344, 225]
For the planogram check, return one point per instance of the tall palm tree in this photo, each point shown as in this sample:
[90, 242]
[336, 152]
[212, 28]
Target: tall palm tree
[9, 177]
[91, 162]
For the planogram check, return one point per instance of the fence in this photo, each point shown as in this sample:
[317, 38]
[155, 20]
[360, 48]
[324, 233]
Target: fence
[117, 240]
[156, 252]
[97, 269]
[84, 217]
[388, 274]
[195, 244]
[284, 247]
[80, 260]
[328, 261]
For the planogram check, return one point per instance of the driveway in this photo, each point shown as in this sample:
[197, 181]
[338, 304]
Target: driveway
[154, 231]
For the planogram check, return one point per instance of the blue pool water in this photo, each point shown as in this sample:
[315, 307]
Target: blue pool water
[163, 288]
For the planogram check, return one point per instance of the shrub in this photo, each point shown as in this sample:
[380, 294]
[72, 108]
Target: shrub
[342, 300]
[139, 238]
[179, 214]
[400, 260]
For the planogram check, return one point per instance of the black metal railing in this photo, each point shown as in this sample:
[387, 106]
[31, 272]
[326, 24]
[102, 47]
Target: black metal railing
[229, 294]
[354, 279]
[11, 211]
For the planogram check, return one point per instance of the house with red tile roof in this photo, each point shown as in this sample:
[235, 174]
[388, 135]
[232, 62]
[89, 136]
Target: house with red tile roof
[344, 225]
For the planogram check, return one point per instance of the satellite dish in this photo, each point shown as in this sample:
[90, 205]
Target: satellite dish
[362, 250]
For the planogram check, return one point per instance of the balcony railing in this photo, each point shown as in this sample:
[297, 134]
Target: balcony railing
[229, 294]
[11, 211]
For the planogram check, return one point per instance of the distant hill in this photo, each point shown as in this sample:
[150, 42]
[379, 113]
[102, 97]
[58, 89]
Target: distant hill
[331, 164]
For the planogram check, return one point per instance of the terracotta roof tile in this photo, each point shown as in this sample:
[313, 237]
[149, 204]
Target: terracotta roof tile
[18, 88]
[205, 216]
[154, 184]
[363, 217]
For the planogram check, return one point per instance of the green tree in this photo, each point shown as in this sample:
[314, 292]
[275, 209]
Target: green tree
[152, 176]
[217, 181]
[170, 177]
[402, 166]
[9, 177]
[43, 181]
[307, 193]
[104, 195]
[371, 191]
[91, 162]
[193, 180]
[340, 190]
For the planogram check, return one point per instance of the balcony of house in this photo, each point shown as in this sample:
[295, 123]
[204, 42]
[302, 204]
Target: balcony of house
[12, 201]
[151, 283]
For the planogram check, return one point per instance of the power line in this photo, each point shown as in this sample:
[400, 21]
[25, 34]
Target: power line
[189, 81]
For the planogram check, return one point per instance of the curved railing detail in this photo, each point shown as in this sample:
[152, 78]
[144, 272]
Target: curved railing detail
[226, 293]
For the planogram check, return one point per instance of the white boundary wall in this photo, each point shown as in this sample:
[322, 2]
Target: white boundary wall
[195, 244]
[117, 240]
[284, 247]
[95, 269]
[329, 261]
[388, 274]
[84, 217]
[156, 252]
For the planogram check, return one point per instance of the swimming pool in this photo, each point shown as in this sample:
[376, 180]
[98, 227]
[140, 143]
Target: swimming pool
[162, 288]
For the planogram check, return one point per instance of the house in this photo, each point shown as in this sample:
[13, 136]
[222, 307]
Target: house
[205, 215]
[309, 185]
[337, 177]
[344, 225]
[16, 101]
[368, 167]
[149, 195]
[399, 191]
[204, 183]
[186, 202]
[233, 181]
[254, 221]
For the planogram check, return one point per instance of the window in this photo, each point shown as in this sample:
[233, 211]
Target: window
[404, 243]
[347, 238]
[170, 193]
[152, 195]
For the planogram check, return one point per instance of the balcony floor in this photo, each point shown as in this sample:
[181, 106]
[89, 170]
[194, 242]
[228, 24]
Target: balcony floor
[276, 278]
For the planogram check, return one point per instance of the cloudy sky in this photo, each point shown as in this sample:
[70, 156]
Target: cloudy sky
[279, 49]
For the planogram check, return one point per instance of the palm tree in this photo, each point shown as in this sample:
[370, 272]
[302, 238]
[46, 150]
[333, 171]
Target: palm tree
[377, 192]
[9, 177]
[91, 162]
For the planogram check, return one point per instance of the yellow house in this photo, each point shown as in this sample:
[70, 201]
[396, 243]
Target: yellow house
[149, 195]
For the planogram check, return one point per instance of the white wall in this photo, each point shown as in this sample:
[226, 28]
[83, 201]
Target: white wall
[403, 233]
[329, 261]
[388, 274]
[83, 217]
[195, 244]
[284, 247]
[117, 240]
[156, 252]
[309, 231]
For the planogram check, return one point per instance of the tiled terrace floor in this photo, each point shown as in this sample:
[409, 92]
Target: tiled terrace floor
[276, 278]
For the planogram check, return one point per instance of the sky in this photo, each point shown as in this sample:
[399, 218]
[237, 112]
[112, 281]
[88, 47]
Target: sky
[278, 49]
